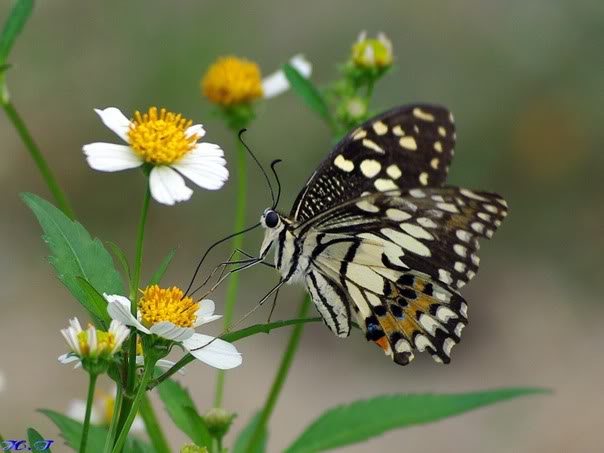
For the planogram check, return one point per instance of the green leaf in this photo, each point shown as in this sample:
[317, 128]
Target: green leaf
[71, 431]
[182, 411]
[121, 257]
[14, 24]
[96, 304]
[361, 420]
[36, 440]
[159, 273]
[74, 253]
[264, 328]
[304, 88]
[245, 436]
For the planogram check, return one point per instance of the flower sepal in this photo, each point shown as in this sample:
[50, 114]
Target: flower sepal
[238, 116]
[218, 422]
[96, 366]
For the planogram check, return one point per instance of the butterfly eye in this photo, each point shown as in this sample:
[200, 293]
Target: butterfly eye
[271, 219]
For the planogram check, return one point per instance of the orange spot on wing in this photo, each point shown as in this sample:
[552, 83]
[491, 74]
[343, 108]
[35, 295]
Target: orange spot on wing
[383, 343]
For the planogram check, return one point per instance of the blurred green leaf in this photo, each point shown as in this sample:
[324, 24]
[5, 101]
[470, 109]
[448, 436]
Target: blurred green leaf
[361, 420]
[17, 17]
[96, 304]
[71, 431]
[304, 88]
[74, 253]
[36, 440]
[182, 411]
[245, 436]
[121, 257]
[159, 273]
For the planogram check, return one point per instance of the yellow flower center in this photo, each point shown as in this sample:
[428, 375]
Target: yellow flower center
[160, 139]
[231, 81]
[105, 342]
[167, 304]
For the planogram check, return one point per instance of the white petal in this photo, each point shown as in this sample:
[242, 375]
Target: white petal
[167, 186]
[68, 358]
[170, 331]
[138, 426]
[195, 129]
[205, 313]
[115, 120]
[362, 36]
[277, 83]
[204, 166]
[111, 157]
[119, 308]
[219, 353]
[202, 152]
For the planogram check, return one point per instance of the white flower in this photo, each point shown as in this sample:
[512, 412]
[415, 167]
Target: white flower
[91, 342]
[276, 83]
[168, 314]
[102, 411]
[166, 141]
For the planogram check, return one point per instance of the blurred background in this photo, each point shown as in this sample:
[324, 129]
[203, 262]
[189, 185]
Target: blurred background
[524, 80]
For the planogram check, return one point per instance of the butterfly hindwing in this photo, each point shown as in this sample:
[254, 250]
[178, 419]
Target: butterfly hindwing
[410, 146]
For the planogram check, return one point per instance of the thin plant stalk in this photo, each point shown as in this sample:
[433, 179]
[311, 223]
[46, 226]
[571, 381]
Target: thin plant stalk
[231, 295]
[142, 388]
[280, 377]
[89, 403]
[119, 397]
[36, 155]
[156, 435]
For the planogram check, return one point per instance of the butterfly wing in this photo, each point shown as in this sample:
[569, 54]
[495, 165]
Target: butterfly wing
[407, 147]
[397, 260]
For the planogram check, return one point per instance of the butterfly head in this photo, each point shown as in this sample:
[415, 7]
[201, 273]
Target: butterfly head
[272, 221]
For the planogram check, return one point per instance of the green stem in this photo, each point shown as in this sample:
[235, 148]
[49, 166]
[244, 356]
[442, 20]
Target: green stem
[231, 295]
[89, 403]
[280, 377]
[147, 375]
[157, 437]
[133, 296]
[117, 407]
[36, 155]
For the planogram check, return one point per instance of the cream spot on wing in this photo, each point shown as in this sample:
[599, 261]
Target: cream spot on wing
[416, 231]
[463, 235]
[445, 313]
[402, 346]
[343, 164]
[478, 227]
[460, 267]
[422, 115]
[470, 275]
[434, 163]
[394, 172]
[423, 179]
[384, 185]
[422, 342]
[470, 194]
[448, 345]
[359, 134]
[484, 216]
[407, 242]
[408, 143]
[429, 324]
[444, 276]
[438, 146]
[372, 145]
[426, 222]
[475, 259]
[459, 328]
[370, 168]
[397, 215]
[449, 207]
[491, 208]
[451, 119]
[442, 131]
[460, 250]
[438, 198]
[367, 206]
[463, 309]
[398, 131]
[417, 193]
[380, 128]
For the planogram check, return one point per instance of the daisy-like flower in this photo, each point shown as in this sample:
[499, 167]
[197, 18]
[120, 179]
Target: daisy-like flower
[233, 81]
[91, 343]
[166, 313]
[372, 53]
[102, 411]
[167, 142]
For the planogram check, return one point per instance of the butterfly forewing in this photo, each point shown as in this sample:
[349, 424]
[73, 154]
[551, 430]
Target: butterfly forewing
[407, 147]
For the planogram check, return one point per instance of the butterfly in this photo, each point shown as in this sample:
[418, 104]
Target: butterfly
[376, 236]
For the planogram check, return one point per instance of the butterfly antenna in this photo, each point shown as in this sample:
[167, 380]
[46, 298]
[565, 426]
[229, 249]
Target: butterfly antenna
[230, 236]
[273, 164]
[268, 181]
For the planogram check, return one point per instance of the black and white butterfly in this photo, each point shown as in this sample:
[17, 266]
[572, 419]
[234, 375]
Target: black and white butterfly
[377, 238]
